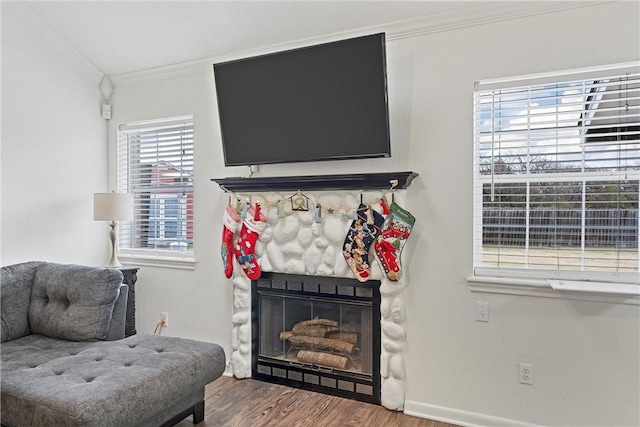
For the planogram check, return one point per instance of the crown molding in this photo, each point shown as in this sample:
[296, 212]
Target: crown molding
[32, 20]
[482, 14]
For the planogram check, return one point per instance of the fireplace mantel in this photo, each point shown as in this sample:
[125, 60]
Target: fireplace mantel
[363, 182]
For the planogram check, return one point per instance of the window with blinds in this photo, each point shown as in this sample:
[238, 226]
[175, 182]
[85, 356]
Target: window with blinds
[155, 164]
[556, 171]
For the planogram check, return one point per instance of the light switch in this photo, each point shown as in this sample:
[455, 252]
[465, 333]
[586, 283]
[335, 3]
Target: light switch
[482, 311]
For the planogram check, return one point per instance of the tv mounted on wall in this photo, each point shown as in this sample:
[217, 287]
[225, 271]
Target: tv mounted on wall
[323, 102]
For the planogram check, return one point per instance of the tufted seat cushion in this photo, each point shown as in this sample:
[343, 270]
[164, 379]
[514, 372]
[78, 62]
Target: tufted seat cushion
[52, 382]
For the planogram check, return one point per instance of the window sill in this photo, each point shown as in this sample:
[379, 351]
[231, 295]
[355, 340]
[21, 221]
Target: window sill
[186, 263]
[542, 289]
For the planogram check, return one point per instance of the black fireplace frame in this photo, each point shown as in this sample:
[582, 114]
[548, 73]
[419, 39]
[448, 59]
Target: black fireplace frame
[362, 387]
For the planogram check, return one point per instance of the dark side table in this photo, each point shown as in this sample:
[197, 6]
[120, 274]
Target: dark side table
[130, 278]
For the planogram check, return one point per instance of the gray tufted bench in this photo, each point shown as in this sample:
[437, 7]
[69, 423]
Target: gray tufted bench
[142, 380]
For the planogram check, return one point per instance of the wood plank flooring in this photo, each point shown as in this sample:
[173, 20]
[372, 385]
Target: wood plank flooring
[251, 403]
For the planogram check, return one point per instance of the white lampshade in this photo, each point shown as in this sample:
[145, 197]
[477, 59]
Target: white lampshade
[112, 206]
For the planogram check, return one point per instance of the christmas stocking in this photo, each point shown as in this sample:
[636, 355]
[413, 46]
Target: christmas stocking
[389, 243]
[230, 221]
[252, 226]
[360, 236]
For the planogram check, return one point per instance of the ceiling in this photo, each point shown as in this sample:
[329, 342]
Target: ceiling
[120, 37]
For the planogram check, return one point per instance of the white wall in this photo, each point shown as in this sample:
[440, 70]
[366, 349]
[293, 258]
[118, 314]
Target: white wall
[53, 152]
[199, 301]
[585, 354]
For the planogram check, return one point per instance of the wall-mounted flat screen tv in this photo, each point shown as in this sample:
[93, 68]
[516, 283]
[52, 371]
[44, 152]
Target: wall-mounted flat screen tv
[323, 102]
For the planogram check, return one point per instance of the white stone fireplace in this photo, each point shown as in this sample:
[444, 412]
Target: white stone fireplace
[302, 242]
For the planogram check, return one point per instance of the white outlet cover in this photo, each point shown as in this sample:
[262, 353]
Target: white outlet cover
[525, 373]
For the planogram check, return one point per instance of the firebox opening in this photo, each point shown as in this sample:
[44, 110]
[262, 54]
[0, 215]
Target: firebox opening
[317, 333]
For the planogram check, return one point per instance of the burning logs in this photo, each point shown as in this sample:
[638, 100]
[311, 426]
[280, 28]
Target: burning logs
[322, 342]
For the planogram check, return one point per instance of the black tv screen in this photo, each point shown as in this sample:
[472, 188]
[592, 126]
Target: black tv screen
[324, 102]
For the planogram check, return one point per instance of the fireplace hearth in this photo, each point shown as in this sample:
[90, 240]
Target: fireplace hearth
[317, 333]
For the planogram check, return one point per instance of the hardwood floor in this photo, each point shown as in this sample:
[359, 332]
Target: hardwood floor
[251, 403]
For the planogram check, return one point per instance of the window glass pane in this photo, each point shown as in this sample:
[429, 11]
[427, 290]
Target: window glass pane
[155, 163]
[557, 170]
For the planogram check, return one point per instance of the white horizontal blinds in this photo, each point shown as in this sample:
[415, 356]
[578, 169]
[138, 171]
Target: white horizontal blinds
[155, 163]
[557, 164]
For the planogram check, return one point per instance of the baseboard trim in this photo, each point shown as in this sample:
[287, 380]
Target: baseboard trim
[228, 371]
[457, 416]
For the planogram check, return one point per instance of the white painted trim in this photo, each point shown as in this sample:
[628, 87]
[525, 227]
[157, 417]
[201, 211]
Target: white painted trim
[541, 289]
[51, 36]
[161, 73]
[158, 261]
[590, 286]
[228, 370]
[482, 14]
[457, 416]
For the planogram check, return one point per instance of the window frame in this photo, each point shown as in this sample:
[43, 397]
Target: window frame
[155, 256]
[592, 285]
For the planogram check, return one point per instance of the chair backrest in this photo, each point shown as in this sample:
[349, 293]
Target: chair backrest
[73, 302]
[16, 282]
[119, 317]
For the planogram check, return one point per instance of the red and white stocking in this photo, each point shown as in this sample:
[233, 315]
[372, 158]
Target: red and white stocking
[389, 243]
[252, 226]
[230, 221]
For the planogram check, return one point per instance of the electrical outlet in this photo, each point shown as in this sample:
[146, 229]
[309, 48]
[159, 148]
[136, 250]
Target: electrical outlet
[525, 373]
[482, 311]
[164, 316]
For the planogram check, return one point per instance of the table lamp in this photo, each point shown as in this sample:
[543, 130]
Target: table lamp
[113, 207]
